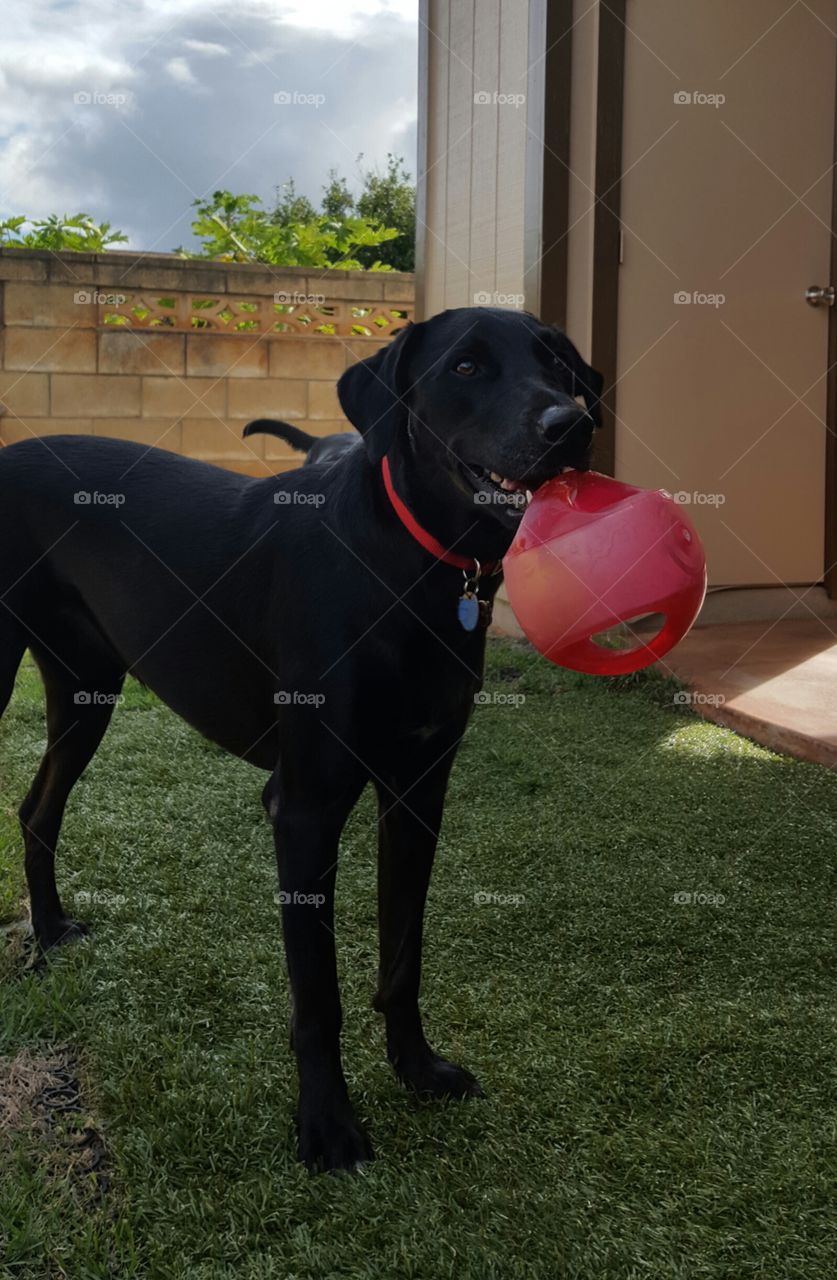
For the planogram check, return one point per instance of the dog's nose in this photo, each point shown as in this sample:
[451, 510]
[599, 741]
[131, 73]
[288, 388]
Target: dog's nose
[559, 421]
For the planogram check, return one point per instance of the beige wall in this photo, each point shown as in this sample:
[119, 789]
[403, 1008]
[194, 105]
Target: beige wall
[192, 390]
[472, 176]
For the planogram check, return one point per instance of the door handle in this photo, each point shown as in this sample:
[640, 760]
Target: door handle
[817, 296]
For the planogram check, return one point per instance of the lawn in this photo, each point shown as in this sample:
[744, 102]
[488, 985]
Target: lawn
[658, 1073]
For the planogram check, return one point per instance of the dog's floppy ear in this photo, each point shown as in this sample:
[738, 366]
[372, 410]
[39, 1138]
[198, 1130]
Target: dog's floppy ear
[586, 381]
[372, 394]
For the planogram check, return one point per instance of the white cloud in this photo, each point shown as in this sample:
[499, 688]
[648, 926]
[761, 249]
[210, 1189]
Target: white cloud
[343, 17]
[207, 48]
[180, 71]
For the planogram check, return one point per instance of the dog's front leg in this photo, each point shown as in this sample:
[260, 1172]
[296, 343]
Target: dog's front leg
[308, 819]
[410, 815]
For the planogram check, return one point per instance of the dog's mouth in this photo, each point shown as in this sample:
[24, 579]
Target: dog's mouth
[502, 493]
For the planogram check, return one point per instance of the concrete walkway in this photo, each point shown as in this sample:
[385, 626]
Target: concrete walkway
[775, 682]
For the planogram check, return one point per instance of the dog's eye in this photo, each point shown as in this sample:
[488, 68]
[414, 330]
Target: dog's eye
[465, 368]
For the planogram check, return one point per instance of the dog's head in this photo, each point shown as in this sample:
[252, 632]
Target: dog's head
[486, 401]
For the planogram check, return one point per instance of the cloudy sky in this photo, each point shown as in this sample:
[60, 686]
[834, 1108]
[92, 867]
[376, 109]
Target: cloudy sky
[130, 111]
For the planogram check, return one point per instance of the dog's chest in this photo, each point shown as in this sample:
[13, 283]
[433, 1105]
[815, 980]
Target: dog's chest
[433, 696]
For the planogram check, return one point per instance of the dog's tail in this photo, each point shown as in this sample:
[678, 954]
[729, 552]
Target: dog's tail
[293, 436]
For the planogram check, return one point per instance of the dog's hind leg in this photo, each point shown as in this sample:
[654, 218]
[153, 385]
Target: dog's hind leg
[410, 815]
[79, 709]
[270, 798]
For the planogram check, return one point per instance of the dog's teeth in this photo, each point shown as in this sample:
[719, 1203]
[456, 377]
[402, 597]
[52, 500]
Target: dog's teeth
[492, 475]
[508, 485]
[528, 496]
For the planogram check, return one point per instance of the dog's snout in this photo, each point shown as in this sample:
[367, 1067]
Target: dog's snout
[559, 421]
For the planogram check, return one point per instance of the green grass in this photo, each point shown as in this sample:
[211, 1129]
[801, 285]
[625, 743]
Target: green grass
[657, 1074]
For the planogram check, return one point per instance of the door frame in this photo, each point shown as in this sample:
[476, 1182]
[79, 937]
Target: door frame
[607, 219]
[547, 190]
[552, 211]
[830, 548]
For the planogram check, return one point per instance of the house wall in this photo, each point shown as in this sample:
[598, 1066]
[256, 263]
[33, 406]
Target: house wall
[182, 354]
[477, 116]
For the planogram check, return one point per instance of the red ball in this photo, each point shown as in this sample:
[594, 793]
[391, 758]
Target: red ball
[591, 553]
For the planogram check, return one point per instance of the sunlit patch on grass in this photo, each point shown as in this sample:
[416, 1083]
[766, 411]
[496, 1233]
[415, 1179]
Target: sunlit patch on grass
[711, 742]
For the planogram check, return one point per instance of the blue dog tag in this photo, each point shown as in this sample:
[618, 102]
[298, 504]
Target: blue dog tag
[468, 611]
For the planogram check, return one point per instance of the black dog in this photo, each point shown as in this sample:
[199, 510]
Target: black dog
[316, 448]
[326, 625]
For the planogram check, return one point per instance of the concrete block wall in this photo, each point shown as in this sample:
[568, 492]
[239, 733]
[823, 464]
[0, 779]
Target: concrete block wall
[65, 369]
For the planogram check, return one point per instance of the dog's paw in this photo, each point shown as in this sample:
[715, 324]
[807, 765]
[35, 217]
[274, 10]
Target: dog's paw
[54, 933]
[435, 1077]
[332, 1141]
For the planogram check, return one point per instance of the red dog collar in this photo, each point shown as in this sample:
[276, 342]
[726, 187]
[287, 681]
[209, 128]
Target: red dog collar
[425, 539]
